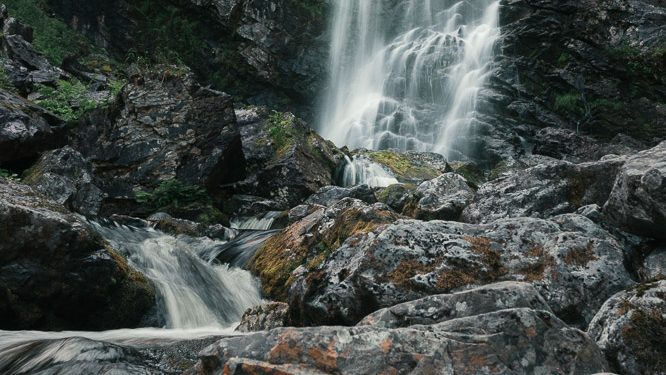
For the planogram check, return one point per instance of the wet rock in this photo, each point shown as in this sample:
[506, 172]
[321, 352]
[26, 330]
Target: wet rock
[307, 242]
[287, 160]
[264, 317]
[548, 189]
[637, 202]
[512, 341]
[168, 224]
[442, 307]
[630, 328]
[567, 145]
[57, 274]
[654, 264]
[400, 197]
[442, 198]
[167, 127]
[409, 167]
[329, 195]
[572, 262]
[26, 130]
[66, 177]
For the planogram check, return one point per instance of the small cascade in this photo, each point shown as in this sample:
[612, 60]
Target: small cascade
[362, 171]
[192, 292]
[261, 222]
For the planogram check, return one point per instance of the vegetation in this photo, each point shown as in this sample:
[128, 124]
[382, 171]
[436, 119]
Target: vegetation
[4, 173]
[69, 99]
[568, 102]
[403, 167]
[52, 37]
[5, 84]
[279, 128]
[172, 193]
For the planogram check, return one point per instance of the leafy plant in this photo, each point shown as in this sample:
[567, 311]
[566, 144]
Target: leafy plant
[68, 99]
[9, 174]
[279, 129]
[568, 102]
[173, 193]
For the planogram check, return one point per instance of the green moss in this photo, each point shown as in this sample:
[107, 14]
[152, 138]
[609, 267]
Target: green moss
[568, 102]
[5, 84]
[279, 127]
[68, 99]
[173, 193]
[403, 167]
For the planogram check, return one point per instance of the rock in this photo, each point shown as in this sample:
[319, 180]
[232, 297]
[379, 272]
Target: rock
[637, 202]
[264, 317]
[443, 198]
[400, 197]
[329, 195]
[512, 341]
[308, 241]
[630, 328]
[57, 274]
[168, 224]
[26, 130]
[572, 262]
[167, 127]
[409, 167]
[548, 189]
[66, 177]
[654, 264]
[288, 160]
[567, 145]
[442, 307]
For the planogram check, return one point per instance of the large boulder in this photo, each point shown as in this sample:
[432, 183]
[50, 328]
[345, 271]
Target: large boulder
[630, 328]
[264, 317]
[568, 145]
[572, 262]
[442, 198]
[287, 161]
[550, 188]
[510, 341]
[637, 202]
[58, 274]
[26, 130]
[66, 177]
[328, 195]
[166, 126]
[309, 241]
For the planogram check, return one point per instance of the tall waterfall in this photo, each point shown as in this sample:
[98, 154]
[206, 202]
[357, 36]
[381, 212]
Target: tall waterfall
[405, 74]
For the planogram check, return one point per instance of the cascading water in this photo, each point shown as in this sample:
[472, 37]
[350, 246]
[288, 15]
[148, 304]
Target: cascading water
[360, 170]
[405, 74]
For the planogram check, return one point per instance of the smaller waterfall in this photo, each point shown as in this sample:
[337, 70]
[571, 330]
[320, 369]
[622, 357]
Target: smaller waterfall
[192, 293]
[262, 222]
[363, 171]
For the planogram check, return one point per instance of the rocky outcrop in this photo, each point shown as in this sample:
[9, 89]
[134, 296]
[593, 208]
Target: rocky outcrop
[57, 274]
[408, 167]
[26, 130]
[630, 328]
[65, 177]
[442, 198]
[165, 127]
[637, 202]
[329, 195]
[510, 341]
[550, 188]
[287, 161]
[572, 262]
[264, 317]
[305, 244]
[568, 145]
[442, 307]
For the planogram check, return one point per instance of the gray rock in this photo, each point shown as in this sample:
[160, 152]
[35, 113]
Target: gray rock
[264, 317]
[400, 197]
[567, 145]
[637, 202]
[654, 264]
[442, 307]
[66, 177]
[630, 328]
[548, 189]
[329, 195]
[58, 274]
[512, 341]
[572, 262]
[443, 198]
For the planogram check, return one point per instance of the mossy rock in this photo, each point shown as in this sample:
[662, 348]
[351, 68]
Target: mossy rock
[406, 167]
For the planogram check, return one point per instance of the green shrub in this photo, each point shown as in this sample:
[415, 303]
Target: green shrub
[9, 174]
[5, 84]
[68, 99]
[279, 130]
[568, 102]
[173, 193]
[603, 103]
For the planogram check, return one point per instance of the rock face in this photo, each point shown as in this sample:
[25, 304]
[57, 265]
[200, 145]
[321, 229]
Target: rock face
[264, 317]
[26, 130]
[166, 127]
[571, 261]
[65, 177]
[550, 188]
[307, 242]
[567, 145]
[287, 160]
[57, 274]
[630, 328]
[443, 198]
[502, 338]
[329, 195]
[638, 200]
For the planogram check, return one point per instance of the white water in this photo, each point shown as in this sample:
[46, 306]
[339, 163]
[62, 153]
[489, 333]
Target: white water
[405, 74]
[261, 222]
[363, 171]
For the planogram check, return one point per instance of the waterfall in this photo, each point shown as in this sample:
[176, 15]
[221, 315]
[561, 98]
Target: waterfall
[405, 74]
[362, 171]
[192, 293]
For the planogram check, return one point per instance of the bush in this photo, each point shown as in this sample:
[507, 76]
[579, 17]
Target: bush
[568, 102]
[173, 193]
[68, 99]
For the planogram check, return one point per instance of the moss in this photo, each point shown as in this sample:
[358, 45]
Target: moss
[536, 269]
[569, 103]
[403, 167]
[407, 269]
[645, 336]
[280, 129]
[581, 256]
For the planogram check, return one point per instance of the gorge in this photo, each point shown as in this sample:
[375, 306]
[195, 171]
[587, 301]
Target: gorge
[344, 187]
